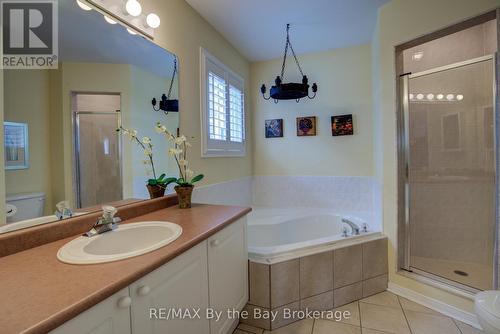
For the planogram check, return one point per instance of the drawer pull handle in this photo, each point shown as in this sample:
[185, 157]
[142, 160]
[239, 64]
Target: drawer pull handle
[215, 243]
[124, 302]
[143, 290]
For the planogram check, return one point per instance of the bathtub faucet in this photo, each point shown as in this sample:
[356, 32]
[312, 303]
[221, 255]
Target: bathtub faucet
[354, 227]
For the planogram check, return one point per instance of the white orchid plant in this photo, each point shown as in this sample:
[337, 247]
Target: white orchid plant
[147, 145]
[179, 153]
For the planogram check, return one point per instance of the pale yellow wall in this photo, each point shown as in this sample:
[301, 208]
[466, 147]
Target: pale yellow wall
[32, 109]
[145, 86]
[102, 78]
[344, 79]
[182, 32]
[400, 21]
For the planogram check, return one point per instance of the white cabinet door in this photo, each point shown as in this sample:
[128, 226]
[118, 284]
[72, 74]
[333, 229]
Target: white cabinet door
[111, 316]
[228, 279]
[181, 284]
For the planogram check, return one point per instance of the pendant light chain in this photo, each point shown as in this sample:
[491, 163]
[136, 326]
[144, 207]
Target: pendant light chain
[172, 79]
[289, 44]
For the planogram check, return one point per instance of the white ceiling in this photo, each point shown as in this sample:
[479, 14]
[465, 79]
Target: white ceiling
[257, 27]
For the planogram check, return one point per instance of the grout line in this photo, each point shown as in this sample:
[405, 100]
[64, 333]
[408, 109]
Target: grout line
[455, 323]
[359, 313]
[404, 314]
[314, 324]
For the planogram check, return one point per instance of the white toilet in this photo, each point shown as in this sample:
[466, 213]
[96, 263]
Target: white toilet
[487, 307]
[27, 206]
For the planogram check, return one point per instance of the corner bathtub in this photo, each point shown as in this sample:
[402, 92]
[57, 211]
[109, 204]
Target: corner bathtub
[276, 235]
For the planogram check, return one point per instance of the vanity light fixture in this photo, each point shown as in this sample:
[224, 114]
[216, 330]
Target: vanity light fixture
[133, 7]
[439, 98]
[110, 21]
[153, 20]
[131, 32]
[291, 90]
[127, 13]
[417, 56]
[83, 6]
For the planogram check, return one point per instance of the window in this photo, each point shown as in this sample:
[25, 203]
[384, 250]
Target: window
[222, 109]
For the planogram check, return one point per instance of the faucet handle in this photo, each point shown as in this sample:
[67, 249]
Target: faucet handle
[364, 227]
[108, 212]
[62, 205]
[63, 210]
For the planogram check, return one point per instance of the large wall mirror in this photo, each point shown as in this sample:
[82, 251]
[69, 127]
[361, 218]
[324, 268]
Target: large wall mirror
[67, 120]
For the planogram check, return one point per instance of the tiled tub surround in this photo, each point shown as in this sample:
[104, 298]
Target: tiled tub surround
[358, 195]
[320, 281]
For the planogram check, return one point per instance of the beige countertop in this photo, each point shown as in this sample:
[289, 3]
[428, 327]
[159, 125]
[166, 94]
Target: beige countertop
[39, 293]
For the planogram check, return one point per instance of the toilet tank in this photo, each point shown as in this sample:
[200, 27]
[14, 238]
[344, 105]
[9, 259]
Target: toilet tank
[28, 205]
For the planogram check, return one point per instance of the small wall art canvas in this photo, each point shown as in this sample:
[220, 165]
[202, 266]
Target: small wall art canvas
[306, 126]
[342, 125]
[274, 128]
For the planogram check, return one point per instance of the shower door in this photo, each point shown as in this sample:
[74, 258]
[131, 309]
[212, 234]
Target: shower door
[97, 149]
[449, 154]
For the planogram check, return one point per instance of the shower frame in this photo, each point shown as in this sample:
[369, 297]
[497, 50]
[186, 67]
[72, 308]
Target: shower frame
[403, 154]
[76, 140]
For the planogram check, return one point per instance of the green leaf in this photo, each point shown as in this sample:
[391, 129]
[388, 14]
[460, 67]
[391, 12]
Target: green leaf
[169, 180]
[197, 178]
[162, 176]
[152, 182]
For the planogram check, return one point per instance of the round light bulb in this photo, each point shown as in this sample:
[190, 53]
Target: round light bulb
[460, 97]
[110, 21]
[412, 96]
[430, 97]
[420, 96]
[83, 5]
[440, 96]
[450, 97]
[131, 32]
[153, 20]
[133, 7]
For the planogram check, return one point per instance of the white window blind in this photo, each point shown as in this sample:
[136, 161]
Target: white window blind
[223, 109]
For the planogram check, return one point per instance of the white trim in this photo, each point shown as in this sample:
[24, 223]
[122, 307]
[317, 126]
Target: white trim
[436, 305]
[229, 149]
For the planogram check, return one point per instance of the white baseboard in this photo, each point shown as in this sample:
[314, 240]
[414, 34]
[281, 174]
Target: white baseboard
[436, 305]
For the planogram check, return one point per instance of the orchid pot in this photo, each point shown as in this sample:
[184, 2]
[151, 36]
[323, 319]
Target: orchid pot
[184, 194]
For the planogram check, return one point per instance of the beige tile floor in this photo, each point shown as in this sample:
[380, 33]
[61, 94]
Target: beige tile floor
[384, 313]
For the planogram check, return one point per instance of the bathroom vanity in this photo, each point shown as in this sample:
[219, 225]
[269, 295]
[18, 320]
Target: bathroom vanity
[204, 269]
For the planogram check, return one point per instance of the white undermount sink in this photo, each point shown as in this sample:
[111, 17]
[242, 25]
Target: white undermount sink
[126, 241]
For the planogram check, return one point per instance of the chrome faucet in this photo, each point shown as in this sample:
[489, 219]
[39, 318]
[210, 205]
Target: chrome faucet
[354, 227]
[107, 222]
[63, 210]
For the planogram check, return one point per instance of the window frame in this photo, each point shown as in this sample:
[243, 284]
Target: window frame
[213, 147]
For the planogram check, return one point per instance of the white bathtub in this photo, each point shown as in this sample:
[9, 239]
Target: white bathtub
[276, 235]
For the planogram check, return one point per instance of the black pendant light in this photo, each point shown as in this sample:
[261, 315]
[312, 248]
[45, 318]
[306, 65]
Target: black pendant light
[166, 104]
[291, 90]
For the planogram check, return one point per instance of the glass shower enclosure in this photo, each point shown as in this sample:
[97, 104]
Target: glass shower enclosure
[98, 158]
[447, 146]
